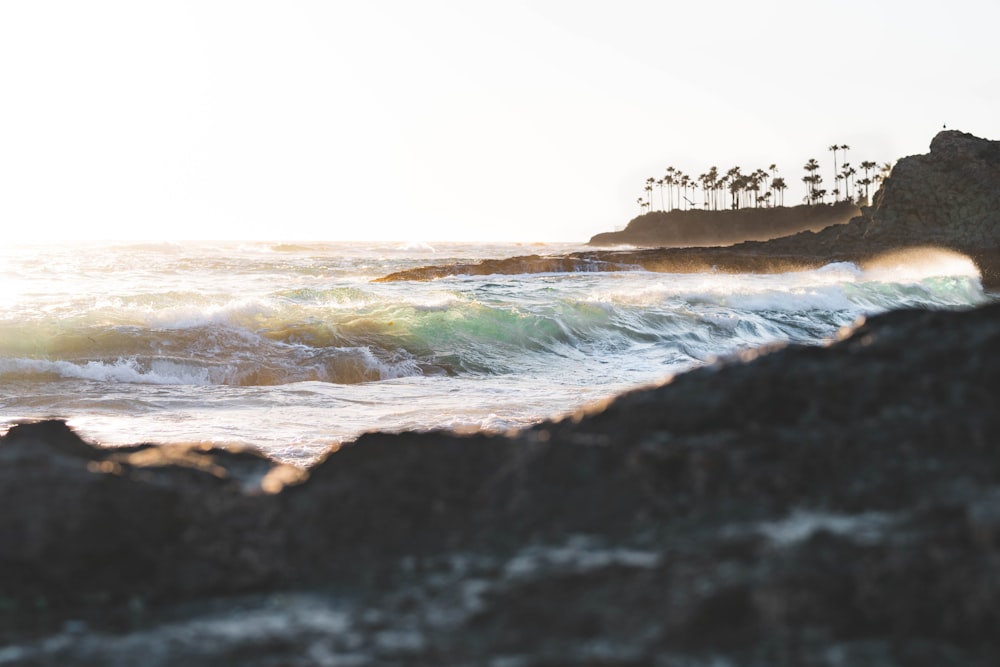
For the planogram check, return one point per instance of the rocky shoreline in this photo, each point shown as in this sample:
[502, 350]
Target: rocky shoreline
[783, 510]
[947, 199]
[797, 506]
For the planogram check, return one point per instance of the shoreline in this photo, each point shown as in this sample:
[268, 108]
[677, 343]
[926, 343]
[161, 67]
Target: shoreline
[777, 507]
[757, 481]
[946, 199]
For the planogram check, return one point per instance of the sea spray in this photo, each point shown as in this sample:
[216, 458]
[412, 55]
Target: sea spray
[293, 348]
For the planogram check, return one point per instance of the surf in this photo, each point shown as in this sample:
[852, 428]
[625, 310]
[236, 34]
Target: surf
[292, 346]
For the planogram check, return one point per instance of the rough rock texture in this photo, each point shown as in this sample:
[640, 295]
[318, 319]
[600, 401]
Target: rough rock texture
[81, 523]
[804, 506]
[719, 228]
[948, 198]
[809, 506]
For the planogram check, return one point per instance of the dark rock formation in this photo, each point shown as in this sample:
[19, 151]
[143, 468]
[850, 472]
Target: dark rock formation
[949, 198]
[82, 523]
[721, 228]
[807, 506]
[810, 506]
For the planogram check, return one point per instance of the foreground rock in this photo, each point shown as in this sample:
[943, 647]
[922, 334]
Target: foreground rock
[811, 506]
[727, 227]
[948, 198]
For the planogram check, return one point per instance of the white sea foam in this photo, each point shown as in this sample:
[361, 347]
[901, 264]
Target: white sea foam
[193, 316]
[416, 246]
[159, 372]
[918, 264]
[291, 347]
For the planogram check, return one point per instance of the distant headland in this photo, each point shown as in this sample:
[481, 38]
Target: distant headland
[698, 227]
[948, 198]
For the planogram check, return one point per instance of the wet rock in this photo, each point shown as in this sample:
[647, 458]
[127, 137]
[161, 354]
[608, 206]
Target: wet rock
[83, 523]
[797, 506]
[809, 506]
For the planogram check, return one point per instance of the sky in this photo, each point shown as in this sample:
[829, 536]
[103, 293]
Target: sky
[453, 120]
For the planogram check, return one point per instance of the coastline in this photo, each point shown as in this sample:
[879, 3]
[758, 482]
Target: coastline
[946, 199]
[772, 509]
[697, 227]
[785, 500]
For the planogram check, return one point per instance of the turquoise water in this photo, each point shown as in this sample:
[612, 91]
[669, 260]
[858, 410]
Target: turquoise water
[292, 348]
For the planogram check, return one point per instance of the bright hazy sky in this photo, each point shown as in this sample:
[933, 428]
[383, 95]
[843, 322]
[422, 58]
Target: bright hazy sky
[461, 120]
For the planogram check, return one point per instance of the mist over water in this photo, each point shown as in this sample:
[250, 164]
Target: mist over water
[292, 348]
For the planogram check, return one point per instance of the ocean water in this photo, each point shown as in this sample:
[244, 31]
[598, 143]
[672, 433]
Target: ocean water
[293, 349]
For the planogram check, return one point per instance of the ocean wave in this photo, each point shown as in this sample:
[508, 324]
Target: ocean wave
[343, 366]
[539, 326]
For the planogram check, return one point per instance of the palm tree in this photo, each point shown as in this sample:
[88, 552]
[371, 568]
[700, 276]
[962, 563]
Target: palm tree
[659, 184]
[649, 191]
[669, 180]
[849, 173]
[833, 148]
[642, 205]
[867, 165]
[712, 180]
[812, 179]
[774, 174]
[734, 179]
[779, 186]
[686, 182]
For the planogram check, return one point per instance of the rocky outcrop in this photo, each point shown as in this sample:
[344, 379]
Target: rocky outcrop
[807, 506]
[799, 506]
[83, 523]
[727, 227]
[948, 198]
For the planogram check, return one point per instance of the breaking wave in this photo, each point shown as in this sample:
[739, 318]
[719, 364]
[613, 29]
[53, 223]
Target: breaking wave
[358, 333]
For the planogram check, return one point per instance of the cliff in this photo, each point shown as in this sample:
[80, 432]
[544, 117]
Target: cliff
[720, 228]
[948, 198]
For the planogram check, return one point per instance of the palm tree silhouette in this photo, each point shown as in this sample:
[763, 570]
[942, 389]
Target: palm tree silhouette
[734, 179]
[712, 182]
[867, 165]
[760, 187]
[684, 184]
[774, 174]
[812, 180]
[779, 186]
[849, 173]
[833, 148]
